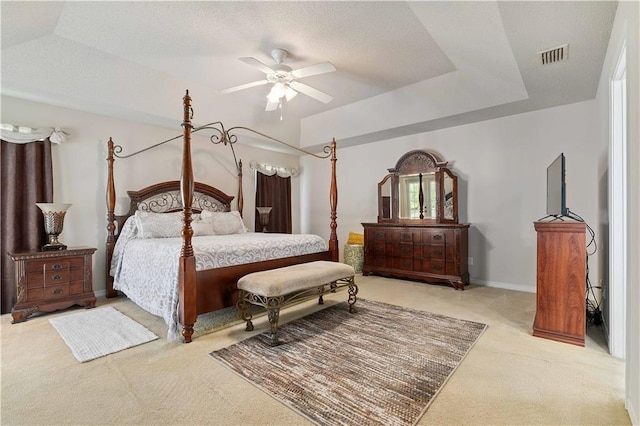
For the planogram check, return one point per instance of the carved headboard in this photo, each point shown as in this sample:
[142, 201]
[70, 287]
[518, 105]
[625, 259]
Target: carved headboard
[165, 197]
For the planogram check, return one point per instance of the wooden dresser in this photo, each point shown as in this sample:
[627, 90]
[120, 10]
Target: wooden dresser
[561, 281]
[50, 280]
[417, 235]
[433, 253]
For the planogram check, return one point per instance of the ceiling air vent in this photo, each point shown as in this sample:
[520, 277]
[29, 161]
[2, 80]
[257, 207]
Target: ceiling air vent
[557, 54]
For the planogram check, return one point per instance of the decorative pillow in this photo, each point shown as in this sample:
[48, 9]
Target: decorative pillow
[224, 223]
[355, 239]
[159, 225]
[202, 227]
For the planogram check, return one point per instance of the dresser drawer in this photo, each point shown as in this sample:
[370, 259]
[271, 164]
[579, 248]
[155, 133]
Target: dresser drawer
[438, 252]
[439, 237]
[434, 266]
[52, 265]
[380, 261]
[381, 235]
[377, 248]
[403, 263]
[435, 252]
[407, 236]
[403, 250]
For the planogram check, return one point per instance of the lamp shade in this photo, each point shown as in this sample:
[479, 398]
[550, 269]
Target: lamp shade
[53, 207]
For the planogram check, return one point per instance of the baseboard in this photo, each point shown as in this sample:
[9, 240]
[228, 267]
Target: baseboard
[100, 293]
[506, 286]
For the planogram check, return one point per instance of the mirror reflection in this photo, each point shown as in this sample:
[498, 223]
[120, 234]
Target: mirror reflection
[448, 196]
[385, 199]
[409, 194]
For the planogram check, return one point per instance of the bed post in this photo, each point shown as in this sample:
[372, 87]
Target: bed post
[187, 263]
[240, 196]
[111, 227]
[333, 199]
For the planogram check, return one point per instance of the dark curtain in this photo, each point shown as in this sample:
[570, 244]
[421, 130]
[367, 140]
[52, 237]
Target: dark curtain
[27, 178]
[274, 191]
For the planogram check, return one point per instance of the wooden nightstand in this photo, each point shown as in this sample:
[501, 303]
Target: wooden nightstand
[50, 280]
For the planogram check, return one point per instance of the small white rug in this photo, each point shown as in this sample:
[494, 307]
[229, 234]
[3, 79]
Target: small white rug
[98, 332]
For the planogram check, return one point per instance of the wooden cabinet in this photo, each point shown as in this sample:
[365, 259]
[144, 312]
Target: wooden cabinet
[50, 280]
[561, 281]
[433, 253]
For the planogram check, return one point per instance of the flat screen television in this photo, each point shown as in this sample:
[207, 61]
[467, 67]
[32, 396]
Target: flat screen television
[557, 188]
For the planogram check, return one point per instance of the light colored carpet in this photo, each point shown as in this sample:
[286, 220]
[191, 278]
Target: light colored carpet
[222, 318]
[98, 332]
[509, 377]
[382, 365]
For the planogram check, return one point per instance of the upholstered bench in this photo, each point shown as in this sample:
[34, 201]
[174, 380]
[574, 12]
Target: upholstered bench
[277, 288]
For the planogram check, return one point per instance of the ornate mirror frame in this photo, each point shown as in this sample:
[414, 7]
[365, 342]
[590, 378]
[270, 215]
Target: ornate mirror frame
[422, 185]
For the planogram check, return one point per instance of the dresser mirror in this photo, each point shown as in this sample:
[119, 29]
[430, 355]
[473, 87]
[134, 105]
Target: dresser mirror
[384, 199]
[420, 189]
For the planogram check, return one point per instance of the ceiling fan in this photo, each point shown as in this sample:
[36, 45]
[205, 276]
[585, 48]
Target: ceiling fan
[285, 80]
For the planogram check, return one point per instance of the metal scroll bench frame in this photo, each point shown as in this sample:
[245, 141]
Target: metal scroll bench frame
[265, 289]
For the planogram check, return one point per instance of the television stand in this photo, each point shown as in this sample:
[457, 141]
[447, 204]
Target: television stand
[560, 283]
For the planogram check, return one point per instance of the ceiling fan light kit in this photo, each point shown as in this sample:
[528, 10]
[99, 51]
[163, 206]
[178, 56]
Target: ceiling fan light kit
[284, 80]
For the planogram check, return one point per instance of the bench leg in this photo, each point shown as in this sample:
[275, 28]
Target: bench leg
[353, 291]
[273, 313]
[244, 310]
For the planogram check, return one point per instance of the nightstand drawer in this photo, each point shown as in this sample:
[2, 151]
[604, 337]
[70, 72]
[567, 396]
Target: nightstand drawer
[53, 265]
[54, 277]
[46, 293]
[56, 291]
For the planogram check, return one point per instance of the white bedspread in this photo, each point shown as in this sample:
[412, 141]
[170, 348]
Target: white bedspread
[146, 270]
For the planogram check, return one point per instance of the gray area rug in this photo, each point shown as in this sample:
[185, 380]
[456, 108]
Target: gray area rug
[100, 331]
[380, 366]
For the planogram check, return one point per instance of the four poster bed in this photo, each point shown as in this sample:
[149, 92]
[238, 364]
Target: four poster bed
[161, 258]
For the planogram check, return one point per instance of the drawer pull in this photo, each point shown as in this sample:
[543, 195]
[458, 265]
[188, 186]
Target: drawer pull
[57, 266]
[437, 252]
[437, 267]
[379, 235]
[406, 263]
[57, 291]
[379, 249]
[437, 237]
[406, 236]
[56, 277]
[407, 249]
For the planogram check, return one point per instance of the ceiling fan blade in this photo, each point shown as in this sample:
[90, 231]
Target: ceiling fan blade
[310, 91]
[244, 86]
[271, 106]
[314, 70]
[257, 64]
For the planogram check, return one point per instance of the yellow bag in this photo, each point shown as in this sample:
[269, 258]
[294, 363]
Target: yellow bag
[355, 239]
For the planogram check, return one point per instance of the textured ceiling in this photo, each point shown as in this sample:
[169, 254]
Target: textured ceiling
[402, 67]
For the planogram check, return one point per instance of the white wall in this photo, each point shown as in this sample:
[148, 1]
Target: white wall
[80, 167]
[626, 29]
[501, 166]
